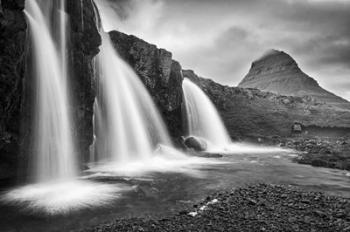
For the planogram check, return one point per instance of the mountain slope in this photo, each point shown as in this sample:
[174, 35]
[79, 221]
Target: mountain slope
[278, 72]
[252, 112]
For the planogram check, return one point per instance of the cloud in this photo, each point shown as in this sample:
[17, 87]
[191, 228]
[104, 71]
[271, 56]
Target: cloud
[219, 39]
[134, 16]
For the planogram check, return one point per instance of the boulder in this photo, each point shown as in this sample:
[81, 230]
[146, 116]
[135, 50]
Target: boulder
[196, 143]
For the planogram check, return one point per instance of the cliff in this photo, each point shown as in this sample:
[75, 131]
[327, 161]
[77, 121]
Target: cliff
[159, 72]
[17, 83]
[84, 46]
[279, 73]
[246, 112]
[12, 68]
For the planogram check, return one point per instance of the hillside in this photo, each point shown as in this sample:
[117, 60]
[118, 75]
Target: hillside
[252, 112]
[279, 73]
[246, 112]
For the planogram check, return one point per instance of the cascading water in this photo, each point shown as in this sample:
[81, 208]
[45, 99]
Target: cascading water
[203, 120]
[128, 126]
[131, 138]
[57, 189]
[54, 153]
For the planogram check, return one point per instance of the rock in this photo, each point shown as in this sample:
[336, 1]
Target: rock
[160, 74]
[195, 143]
[297, 128]
[85, 41]
[232, 213]
[12, 72]
[17, 83]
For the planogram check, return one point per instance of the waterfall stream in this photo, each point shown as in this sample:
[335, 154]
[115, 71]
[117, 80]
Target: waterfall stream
[203, 120]
[54, 152]
[129, 127]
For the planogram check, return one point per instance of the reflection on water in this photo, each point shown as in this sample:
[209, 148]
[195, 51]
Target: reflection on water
[158, 193]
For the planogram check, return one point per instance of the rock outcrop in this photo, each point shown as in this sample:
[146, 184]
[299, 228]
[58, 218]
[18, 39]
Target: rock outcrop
[84, 46]
[278, 72]
[12, 65]
[16, 82]
[159, 72]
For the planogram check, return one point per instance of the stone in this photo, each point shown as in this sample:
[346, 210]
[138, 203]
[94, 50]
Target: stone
[196, 143]
[12, 72]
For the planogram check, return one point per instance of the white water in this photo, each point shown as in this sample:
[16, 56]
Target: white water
[128, 126]
[64, 197]
[203, 119]
[54, 152]
[57, 189]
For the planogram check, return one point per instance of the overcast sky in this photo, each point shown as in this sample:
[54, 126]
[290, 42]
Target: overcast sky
[220, 38]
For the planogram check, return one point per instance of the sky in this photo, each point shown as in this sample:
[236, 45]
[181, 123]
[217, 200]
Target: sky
[219, 39]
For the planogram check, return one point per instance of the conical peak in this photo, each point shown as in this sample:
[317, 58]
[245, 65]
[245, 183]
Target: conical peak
[274, 57]
[274, 61]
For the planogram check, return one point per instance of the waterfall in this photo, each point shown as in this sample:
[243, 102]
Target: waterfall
[54, 152]
[203, 120]
[128, 125]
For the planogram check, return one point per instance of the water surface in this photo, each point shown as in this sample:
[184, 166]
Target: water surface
[162, 193]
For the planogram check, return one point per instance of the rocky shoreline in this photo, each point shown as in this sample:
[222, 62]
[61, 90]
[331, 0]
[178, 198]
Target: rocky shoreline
[321, 152]
[328, 152]
[254, 208]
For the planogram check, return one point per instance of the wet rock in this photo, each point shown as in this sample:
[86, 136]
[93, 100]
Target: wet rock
[196, 143]
[17, 83]
[84, 46]
[12, 72]
[321, 152]
[159, 72]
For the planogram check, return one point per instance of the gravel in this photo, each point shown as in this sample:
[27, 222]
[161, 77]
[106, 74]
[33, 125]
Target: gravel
[254, 208]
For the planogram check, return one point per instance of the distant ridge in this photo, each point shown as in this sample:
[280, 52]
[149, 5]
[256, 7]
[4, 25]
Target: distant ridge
[279, 73]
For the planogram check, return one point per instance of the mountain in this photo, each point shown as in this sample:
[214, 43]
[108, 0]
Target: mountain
[245, 112]
[279, 73]
[255, 113]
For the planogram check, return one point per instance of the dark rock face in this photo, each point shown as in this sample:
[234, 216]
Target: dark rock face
[84, 42]
[12, 65]
[17, 88]
[161, 75]
[278, 72]
[253, 113]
